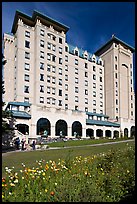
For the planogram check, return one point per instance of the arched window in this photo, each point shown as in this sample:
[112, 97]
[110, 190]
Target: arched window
[89, 132]
[61, 128]
[99, 133]
[43, 127]
[125, 132]
[76, 129]
[23, 128]
[108, 133]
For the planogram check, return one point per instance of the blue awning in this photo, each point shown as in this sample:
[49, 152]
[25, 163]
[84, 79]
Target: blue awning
[20, 114]
[101, 123]
[15, 103]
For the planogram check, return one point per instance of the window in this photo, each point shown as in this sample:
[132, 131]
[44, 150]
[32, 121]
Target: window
[60, 40]
[66, 67]
[76, 62]
[66, 106]
[60, 102]
[101, 104]
[101, 86]
[115, 66]
[131, 73]
[94, 68]
[27, 34]
[76, 70]
[27, 66]
[41, 77]
[27, 55]
[53, 101]
[94, 102]
[94, 110]
[41, 43]
[41, 32]
[100, 71]
[94, 76]
[76, 98]
[116, 58]
[60, 92]
[41, 88]
[26, 99]
[48, 90]
[76, 52]
[116, 110]
[94, 85]
[66, 96]
[27, 44]
[26, 77]
[86, 109]
[41, 65]
[94, 94]
[48, 79]
[76, 80]
[66, 87]
[100, 79]
[51, 57]
[86, 83]
[60, 50]
[60, 60]
[48, 68]
[86, 92]
[41, 100]
[116, 92]
[101, 95]
[76, 107]
[48, 100]
[66, 77]
[66, 49]
[116, 84]
[131, 89]
[60, 71]
[76, 89]
[66, 58]
[116, 101]
[53, 69]
[131, 113]
[131, 97]
[42, 54]
[53, 91]
[86, 74]
[48, 56]
[86, 65]
[131, 81]
[60, 82]
[49, 46]
[86, 100]
[53, 80]
[116, 75]
[53, 48]
[26, 89]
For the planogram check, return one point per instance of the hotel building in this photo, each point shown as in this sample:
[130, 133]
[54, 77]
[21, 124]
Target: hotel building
[57, 89]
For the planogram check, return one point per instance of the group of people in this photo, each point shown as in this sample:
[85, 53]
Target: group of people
[23, 144]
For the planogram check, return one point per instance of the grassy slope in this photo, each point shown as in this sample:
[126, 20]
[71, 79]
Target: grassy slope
[29, 158]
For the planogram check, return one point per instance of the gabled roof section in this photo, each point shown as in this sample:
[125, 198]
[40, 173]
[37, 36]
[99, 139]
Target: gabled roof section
[15, 103]
[117, 40]
[46, 20]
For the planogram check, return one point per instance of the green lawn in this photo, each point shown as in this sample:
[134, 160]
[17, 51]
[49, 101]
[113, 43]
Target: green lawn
[29, 158]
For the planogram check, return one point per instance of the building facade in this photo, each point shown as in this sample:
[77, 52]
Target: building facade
[56, 89]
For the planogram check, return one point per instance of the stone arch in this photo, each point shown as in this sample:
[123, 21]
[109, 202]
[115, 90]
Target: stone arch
[126, 132]
[116, 134]
[99, 133]
[89, 132]
[61, 128]
[108, 133]
[43, 127]
[132, 131]
[76, 129]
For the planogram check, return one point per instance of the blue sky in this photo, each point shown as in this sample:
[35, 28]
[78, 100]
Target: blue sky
[91, 23]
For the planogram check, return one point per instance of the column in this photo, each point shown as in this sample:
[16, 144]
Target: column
[83, 132]
[52, 131]
[69, 132]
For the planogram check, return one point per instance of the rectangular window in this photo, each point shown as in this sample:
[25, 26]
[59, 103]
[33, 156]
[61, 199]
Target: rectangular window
[66, 106]
[101, 86]
[66, 49]
[53, 91]
[115, 66]
[48, 68]
[60, 102]
[76, 108]
[116, 58]
[48, 100]
[41, 100]
[53, 101]
[86, 109]
[76, 80]
[86, 83]
[66, 96]
[86, 100]
[60, 50]
[94, 68]
[48, 56]
[49, 46]
[66, 67]
[66, 58]
[66, 77]
[42, 65]
[48, 90]
[94, 94]
[41, 32]
[26, 77]
[27, 34]
[53, 80]
[41, 88]
[86, 65]
[116, 84]
[116, 92]
[41, 77]
[60, 71]
[116, 110]
[76, 52]
[42, 43]
[66, 87]
[76, 98]
[94, 76]
[76, 62]
[86, 92]
[131, 97]
[53, 48]
[27, 55]
[26, 89]
[100, 71]
[27, 66]
[42, 54]
[76, 89]
[131, 113]
[131, 81]
[53, 69]
[26, 99]
[86, 74]
[60, 82]
[60, 40]
[100, 79]
[116, 75]
[48, 79]
[27, 44]
[76, 70]
[94, 85]
[101, 95]
[101, 104]
[116, 101]
[60, 60]
[94, 102]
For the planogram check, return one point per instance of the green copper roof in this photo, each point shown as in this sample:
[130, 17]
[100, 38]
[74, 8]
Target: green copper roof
[114, 39]
[97, 114]
[15, 103]
[101, 123]
[32, 20]
[20, 114]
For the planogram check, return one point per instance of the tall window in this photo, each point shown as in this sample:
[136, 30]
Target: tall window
[41, 43]
[27, 66]
[41, 88]
[26, 89]
[42, 54]
[76, 62]
[27, 55]
[27, 34]
[42, 32]
[41, 77]
[26, 77]
[27, 44]
[41, 65]
[60, 40]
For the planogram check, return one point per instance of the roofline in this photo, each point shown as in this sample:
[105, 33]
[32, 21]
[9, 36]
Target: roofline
[114, 39]
[32, 20]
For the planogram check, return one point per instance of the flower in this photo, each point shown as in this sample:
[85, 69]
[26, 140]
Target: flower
[46, 190]
[52, 193]
[2, 196]
[12, 184]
